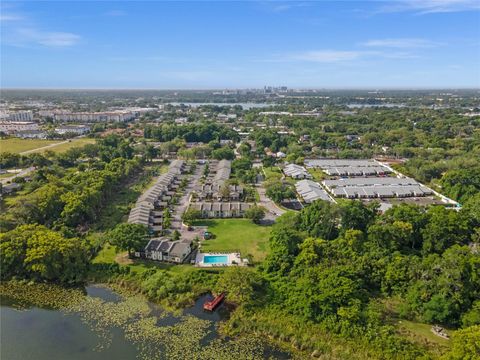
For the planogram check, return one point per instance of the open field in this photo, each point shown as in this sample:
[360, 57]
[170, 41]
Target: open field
[317, 174]
[272, 173]
[421, 334]
[15, 145]
[64, 146]
[237, 235]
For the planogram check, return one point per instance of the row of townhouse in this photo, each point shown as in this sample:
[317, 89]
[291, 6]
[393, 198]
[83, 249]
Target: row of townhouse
[311, 191]
[216, 192]
[296, 172]
[163, 249]
[149, 208]
[219, 171]
[381, 191]
[221, 209]
[213, 189]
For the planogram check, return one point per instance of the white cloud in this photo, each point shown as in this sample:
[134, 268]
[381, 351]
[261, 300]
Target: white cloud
[285, 6]
[431, 6]
[343, 56]
[404, 43]
[28, 36]
[20, 30]
[10, 17]
[115, 13]
[327, 56]
[58, 39]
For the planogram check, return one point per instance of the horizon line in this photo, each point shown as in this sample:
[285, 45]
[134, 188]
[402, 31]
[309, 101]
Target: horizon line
[247, 88]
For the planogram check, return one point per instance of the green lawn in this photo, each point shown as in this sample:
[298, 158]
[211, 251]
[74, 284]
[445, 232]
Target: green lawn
[421, 333]
[69, 145]
[15, 145]
[237, 235]
[317, 174]
[272, 173]
[109, 255]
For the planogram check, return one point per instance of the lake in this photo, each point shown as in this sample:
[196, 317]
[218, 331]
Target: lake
[245, 106]
[102, 324]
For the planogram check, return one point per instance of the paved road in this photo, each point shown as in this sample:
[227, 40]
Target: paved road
[273, 211]
[183, 203]
[21, 173]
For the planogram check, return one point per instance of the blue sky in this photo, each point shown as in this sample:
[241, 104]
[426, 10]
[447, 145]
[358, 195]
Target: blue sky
[240, 44]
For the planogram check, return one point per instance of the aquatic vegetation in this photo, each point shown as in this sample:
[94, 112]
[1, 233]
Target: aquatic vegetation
[42, 295]
[156, 333]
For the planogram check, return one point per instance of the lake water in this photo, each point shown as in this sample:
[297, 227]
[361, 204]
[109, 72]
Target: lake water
[387, 105]
[30, 332]
[245, 106]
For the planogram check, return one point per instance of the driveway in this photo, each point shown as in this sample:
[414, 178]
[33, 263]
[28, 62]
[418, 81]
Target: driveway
[273, 211]
[20, 174]
[183, 203]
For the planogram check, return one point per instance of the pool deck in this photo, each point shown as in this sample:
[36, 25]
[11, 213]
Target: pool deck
[232, 259]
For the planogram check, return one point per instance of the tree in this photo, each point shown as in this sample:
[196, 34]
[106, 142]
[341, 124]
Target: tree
[355, 215]
[444, 228]
[223, 153]
[269, 161]
[150, 152]
[33, 251]
[472, 316]
[129, 237]
[320, 219]
[278, 191]
[465, 344]
[190, 215]
[255, 213]
[167, 219]
[284, 242]
[239, 283]
[224, 190]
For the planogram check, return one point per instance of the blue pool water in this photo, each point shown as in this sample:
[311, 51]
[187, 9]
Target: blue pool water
[215, 259]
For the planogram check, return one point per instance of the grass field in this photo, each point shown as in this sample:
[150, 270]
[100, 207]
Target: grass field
[421, 334]
[71, 144]
[237, 235]
[15, 145]
[317, 174]
[272, 173]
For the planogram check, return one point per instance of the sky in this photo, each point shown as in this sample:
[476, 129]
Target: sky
[240, 44]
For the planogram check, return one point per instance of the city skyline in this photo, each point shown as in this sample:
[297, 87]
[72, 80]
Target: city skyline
[214, 45]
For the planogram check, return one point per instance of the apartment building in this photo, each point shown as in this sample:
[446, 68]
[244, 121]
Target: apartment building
[10, 127]
[116, 116]
[70, 129]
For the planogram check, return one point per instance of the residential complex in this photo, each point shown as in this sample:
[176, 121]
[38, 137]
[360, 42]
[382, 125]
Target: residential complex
[118, 116]
[163, 249]
[10, 127]
[149, 208]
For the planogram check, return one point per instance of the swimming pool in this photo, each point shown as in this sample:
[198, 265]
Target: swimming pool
[215, 259]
